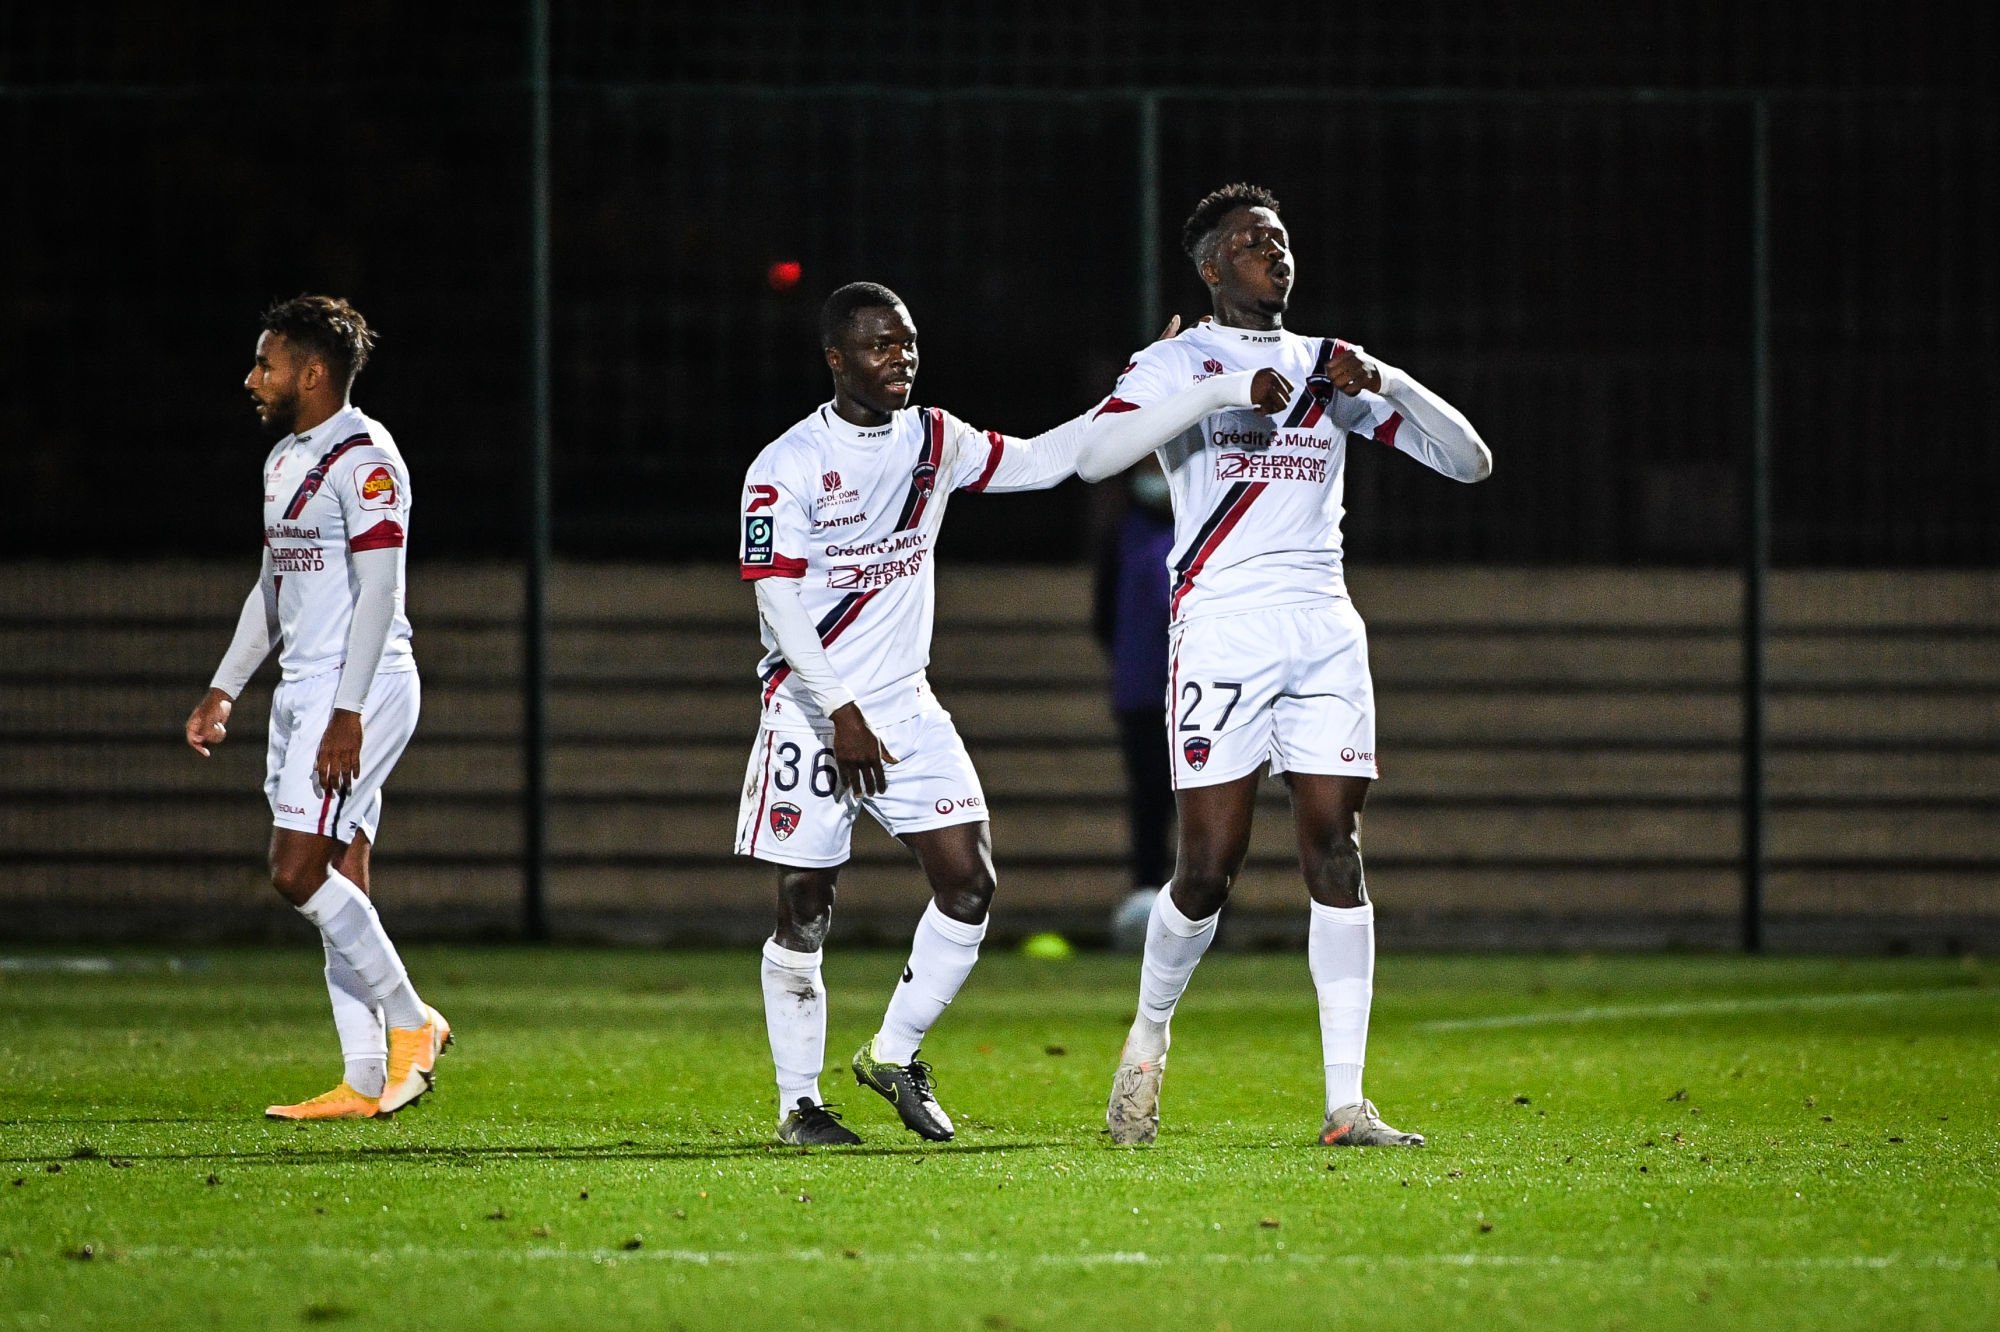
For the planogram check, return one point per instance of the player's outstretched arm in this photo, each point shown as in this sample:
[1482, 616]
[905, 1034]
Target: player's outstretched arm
[1037, 462]
[256, 631]
[1441, 438]
[1121, 432]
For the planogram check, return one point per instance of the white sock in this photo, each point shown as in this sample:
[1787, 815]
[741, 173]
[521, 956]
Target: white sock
[1173, 945]
[364, 1040]
[1341, 952]
[795, 1020]
[348, 923]
[941, 957]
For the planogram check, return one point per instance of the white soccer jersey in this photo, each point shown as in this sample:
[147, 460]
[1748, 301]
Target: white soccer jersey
[853, 513]
[1257, 499]
[339, 488]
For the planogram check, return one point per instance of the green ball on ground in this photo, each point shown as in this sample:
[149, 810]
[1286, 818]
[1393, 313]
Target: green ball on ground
[1048, 946]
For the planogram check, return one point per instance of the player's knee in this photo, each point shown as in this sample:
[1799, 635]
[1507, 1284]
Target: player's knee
[296, 879]
[1334, 874]
[967, 895]
[1200, 889]
[805, 910]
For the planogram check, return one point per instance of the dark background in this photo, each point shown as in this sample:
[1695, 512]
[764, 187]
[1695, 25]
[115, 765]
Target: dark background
[1545, 211]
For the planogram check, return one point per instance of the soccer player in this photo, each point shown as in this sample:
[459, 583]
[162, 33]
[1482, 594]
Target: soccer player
[330, 598]
[1269, 660]
[840, 523]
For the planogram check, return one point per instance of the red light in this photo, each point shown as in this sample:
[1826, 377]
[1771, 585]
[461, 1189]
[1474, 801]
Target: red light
[782, 276]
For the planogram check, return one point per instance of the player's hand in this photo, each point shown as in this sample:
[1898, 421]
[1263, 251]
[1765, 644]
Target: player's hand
[1270, 391]
[338, 765]
[857, 753]
[1353, 370]
[208, 723]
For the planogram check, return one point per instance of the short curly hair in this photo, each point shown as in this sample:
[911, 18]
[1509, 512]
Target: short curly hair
[1198, 232]
[328, 327]
[838, 313]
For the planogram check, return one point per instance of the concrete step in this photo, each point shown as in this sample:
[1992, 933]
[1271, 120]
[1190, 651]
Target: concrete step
[1406, 715]
[214, 898]
[1048, 831]
[1055, 657]
[1037, 595]
[162, 766]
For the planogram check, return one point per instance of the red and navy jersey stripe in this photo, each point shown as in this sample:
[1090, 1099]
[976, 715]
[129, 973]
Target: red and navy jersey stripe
[923, 477]
[316, 478]
[1236, 501]
[1312, 404]
[831, 626]
[996, 449]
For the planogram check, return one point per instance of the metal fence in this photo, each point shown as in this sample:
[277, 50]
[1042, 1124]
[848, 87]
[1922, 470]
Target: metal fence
[1702, 317]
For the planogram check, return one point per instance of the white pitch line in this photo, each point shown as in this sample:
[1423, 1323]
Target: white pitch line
[1701, 1008]
[995, 1258]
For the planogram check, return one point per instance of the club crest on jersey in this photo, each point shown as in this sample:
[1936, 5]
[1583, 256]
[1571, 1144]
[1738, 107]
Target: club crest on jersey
[757, 540]
[784, 820]
[377, 487]
[1195, 749]
[924, 477]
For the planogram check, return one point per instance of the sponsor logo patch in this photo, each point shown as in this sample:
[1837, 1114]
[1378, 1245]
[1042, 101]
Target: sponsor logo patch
[830, 481]
[1212, 366]
[1268, 467]
[377, 485]
[1356, 756]
[846, 576]
[945, 805]
[757, 539]
[761, 497]
[1195, 750]
[784, 820]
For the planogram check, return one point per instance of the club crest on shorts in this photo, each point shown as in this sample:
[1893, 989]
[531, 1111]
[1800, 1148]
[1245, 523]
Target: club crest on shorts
[784, 820]
[1195, 750]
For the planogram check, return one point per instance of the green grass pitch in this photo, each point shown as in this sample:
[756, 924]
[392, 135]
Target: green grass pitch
[1643, 1143]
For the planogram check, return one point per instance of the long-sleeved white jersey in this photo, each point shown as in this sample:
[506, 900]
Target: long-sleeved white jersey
[337, 490]
[853, 513]
[1257, 499]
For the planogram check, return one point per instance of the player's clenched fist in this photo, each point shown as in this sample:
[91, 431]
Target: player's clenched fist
[1351, 370]
[1270, 391]
[208, 723]
[857, 753]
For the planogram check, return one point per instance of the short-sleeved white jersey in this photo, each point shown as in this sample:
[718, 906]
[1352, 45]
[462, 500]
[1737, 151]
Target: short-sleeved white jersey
[339, 488]
[853, 513]
[1257, 499]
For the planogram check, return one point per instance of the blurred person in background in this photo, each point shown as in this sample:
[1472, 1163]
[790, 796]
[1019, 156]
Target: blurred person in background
[1129, 620]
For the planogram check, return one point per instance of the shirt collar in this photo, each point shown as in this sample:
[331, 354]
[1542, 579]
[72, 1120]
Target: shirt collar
[328, 432]
[848, 433]
[1248, 337]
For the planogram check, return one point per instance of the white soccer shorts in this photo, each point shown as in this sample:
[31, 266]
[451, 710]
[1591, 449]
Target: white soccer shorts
[1290, 685]
[794, 812]
[300, 710]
